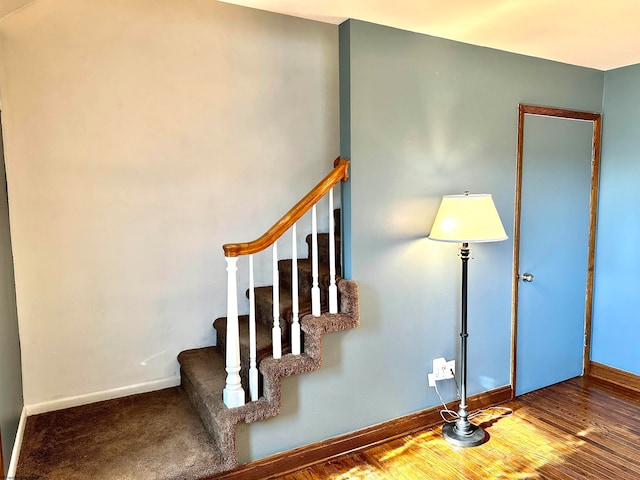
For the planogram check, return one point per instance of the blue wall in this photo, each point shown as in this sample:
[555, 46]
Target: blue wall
[430, 117]
[617, 291]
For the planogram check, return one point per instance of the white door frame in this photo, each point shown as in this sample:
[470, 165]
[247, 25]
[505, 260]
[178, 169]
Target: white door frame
[596, 119]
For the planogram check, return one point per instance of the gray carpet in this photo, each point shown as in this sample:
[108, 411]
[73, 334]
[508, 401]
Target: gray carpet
[154, 436]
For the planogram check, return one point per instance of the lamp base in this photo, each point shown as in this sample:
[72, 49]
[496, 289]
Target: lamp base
[476, 436]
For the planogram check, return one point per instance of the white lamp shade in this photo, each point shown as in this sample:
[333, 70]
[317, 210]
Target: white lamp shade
[468, 218]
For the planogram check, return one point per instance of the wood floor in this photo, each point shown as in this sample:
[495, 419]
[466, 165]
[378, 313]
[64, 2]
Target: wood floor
[579, 429]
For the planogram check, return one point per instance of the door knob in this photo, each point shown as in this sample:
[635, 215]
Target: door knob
[527, 277]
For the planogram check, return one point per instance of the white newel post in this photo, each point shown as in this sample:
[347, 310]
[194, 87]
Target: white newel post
[333, 289]
[315, 288]
[295, 307]
[233, 394]
[253, 368]
[276, 332]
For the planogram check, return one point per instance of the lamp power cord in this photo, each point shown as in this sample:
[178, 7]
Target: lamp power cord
[451, 416]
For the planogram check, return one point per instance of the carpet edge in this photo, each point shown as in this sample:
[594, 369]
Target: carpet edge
[99, 396]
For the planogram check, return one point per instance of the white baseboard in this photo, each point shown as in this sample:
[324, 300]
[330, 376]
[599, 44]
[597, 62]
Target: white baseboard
[17, 444]
[68, 402]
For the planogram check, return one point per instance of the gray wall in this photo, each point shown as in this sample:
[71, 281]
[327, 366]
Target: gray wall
[10, 371]
[616, 299]
[140, 137]
[420, 117]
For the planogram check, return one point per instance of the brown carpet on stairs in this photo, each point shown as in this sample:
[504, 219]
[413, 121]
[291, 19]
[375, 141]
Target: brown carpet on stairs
[149, 436]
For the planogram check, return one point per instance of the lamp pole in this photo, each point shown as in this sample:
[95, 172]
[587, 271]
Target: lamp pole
[462, 432]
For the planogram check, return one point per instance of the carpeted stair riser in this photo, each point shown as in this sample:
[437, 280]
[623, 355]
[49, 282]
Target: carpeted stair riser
[305, 278]
[264, 306]
[263, 341]
[323, 248]
[337, 223]
[220, 326]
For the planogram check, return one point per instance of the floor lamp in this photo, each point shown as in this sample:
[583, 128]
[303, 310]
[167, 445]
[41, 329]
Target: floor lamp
[465, 219]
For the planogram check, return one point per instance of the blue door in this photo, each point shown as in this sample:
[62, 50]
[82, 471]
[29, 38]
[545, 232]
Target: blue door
[554, 243]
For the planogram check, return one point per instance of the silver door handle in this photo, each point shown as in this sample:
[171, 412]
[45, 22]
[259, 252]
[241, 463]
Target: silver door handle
[527, 277]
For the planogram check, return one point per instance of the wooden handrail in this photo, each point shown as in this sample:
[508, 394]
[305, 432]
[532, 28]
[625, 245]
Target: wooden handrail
[339, 173]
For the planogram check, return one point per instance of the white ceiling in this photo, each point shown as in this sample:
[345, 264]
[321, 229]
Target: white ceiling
[602, 34]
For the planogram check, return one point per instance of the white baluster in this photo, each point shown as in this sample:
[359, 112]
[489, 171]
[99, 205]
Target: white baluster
[233, 393]
[333, 289]
[276, 333]
[295, 326]
[315, 289]
[253, 369]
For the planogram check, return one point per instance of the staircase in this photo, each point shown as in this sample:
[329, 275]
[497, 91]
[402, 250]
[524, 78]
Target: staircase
[204, 370]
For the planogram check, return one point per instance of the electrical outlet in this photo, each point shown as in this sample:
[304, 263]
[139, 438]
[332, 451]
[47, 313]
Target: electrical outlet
[443, 370]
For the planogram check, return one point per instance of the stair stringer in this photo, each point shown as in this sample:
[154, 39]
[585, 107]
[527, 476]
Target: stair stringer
[274, 370]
